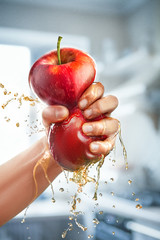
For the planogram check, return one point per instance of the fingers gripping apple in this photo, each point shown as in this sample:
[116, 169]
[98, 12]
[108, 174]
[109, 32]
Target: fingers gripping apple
[69, 145]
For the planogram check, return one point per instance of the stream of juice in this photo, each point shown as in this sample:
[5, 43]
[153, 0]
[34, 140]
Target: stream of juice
[80, 177]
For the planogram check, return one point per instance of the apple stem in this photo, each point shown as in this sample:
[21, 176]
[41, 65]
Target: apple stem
[58, 50]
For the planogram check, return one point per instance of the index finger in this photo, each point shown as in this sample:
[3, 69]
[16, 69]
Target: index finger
[94, 92]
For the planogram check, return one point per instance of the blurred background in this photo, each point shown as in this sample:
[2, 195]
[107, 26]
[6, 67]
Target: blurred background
[123, 36]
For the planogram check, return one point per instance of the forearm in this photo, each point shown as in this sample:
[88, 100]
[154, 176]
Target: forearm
[17, 186]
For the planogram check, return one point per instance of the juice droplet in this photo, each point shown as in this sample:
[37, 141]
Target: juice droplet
[95, 220]
[112, 179]
[78, 200]
[112, 193]
[138, 206]
[133, 194]
[74, 202]
[113, 206]
[105, 182]
[64, 234]
[5, 92]
[90, 236]
[1, 85]
[80, 225]
[61, 189]
[137, 199]
[25, 214]
[129, 181]
[17, 124]
[113, 233]
[66, 175]
[100, 212]
[70, 218]
[8, 120]
[23, 220]
[70, 224]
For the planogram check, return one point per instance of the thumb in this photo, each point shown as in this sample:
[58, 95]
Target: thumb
[54, 114]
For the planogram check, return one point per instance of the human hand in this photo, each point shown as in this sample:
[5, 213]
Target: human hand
[93, 105]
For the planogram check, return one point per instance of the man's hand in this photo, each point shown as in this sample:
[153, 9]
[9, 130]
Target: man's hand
[93, 104]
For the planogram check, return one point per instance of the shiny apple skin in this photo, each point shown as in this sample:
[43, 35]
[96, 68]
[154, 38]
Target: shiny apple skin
[62, 84]
[69, 145]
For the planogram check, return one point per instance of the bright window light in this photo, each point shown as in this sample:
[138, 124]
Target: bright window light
[14, 69]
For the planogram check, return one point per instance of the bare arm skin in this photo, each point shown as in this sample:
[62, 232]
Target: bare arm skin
[17, 186]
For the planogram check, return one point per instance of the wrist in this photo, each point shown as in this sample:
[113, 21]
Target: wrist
[53, 165]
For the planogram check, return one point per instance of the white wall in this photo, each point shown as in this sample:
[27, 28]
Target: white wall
[95, 26]
[143, 26]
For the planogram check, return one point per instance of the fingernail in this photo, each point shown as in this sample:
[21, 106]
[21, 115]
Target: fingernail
[88, 112]
[87, 128]
[94, 147]
[61, 114]
[83, 103]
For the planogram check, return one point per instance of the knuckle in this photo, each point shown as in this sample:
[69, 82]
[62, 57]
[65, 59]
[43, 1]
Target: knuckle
[91, 94]
[97, 109]
[102, 127]
[106, 149]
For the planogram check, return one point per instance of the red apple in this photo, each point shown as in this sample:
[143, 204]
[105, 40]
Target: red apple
[62, 84]
[60, 77]
[69, 145]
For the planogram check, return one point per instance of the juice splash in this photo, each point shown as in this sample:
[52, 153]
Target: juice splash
[80, 177]
[123, 146]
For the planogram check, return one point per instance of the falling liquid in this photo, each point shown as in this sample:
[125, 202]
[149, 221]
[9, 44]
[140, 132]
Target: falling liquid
[112, 179]
[123, 147]
[64, 233]
[61, 189]
[95, 220]
[129, 181]
[17, 124]
[80, 225]
[80, 177]
[90, 236]
[100, 212]
[100, 164]
[138, 206]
